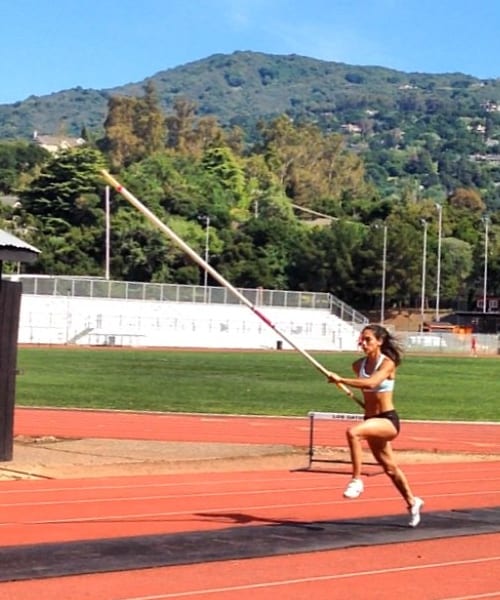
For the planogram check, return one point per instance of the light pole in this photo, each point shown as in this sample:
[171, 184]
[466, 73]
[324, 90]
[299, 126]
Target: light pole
[485, 276]
[107, 232]
[384, 268]
[207, 248]
[438, 276]
[424, 263]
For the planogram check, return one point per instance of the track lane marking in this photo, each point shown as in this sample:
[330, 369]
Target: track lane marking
[474, 596]
[451, 468]
[319, 578]
[340, 501]
[225, 509]
[222, 492]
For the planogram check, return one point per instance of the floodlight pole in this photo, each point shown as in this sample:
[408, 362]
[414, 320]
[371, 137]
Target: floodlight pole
[384, 269]
[438, 275]
[485, 275]
[107, 235]
[207, 255]
[424, 267]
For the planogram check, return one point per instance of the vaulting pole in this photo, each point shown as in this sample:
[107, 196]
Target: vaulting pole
[218, 277]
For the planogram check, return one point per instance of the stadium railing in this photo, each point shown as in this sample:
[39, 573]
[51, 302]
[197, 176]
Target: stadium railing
[88, 287]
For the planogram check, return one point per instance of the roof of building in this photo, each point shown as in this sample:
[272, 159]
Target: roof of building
[14, 249]
[53, 143]
[9, 199]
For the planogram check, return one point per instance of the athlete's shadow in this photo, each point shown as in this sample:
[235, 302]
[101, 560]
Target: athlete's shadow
[245, 519]
[348, 526]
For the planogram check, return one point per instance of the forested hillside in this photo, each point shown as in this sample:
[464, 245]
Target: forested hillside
[245, 151]
[434, 129]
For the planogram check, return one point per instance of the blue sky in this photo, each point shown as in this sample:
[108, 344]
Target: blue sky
[50, 45]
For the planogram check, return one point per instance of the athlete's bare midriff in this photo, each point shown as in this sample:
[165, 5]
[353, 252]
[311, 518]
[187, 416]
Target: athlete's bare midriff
[377, 402]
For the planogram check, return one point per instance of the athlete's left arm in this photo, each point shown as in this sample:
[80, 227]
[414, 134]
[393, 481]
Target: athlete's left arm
[385, 371]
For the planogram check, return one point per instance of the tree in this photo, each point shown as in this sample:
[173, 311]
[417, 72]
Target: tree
[134, 128]
[468, 199]
[180, 124]
[150, 121]
[315, 169]
[456, 269]
[140, 253]
[228, 170]
[324, 260]
[191, 135]
[259, 253]
[61, 207]
[18, 163]
[65, 187]
[173, 184]
[121, 142]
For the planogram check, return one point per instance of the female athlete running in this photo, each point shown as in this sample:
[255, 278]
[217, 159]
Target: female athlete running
[375, 376]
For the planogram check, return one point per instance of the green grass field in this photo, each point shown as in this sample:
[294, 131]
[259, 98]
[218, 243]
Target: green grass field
[258, 383]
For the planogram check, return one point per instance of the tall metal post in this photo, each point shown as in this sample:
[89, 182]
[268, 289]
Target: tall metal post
[438, 275]
[384, 270]
[424, 268]
[207, 255]
[108, 222]
[485, 274]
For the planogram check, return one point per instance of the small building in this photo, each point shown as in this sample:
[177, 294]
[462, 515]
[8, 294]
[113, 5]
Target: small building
[446, 327]
[492, 303]
[12, 249]
[57, 143]
[476, 321]
[351, 128]
[9, 199]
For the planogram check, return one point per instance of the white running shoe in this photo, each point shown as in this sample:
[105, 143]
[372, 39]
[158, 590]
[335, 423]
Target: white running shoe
[415, 509]
[354, 488]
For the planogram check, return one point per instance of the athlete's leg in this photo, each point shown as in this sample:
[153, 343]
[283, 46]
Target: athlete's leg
[382, 451]
[384, 455]
[381, 429]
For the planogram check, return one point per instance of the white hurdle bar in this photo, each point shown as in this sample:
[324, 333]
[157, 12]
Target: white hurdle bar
[326, 416]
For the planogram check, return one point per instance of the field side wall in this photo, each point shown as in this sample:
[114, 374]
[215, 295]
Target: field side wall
[137, 323]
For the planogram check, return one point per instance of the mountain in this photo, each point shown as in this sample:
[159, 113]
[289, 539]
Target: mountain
[244, 87]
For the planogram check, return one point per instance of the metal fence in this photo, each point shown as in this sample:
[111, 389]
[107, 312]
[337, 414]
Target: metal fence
[449, 343]
[87, 287]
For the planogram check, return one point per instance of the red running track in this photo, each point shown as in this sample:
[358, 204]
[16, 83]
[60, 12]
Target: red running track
[474, 438]
[61, 510]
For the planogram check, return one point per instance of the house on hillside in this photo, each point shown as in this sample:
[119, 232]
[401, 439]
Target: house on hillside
[351, 128]
[56, 143]
[9, 199]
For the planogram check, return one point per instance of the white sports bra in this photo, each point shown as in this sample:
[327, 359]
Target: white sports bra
[387, 385]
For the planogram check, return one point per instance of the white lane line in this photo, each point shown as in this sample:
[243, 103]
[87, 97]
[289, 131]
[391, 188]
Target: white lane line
[222, 492]
[225, 510]
[282, 491]
[302, 580]
[198, 480]
[474, 596]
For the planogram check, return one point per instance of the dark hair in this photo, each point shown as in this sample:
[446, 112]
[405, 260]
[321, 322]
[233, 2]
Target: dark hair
[390, 345]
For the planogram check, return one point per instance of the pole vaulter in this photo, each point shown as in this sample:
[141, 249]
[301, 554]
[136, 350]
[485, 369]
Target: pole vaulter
[218, 277]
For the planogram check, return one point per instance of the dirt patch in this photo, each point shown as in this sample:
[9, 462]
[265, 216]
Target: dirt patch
[61, 458]
[49, 457]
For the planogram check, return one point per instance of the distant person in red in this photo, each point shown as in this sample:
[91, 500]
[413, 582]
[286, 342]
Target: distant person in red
[473, 346]
[375, 377]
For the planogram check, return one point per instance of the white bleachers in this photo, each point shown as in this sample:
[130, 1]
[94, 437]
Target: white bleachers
[105, 321]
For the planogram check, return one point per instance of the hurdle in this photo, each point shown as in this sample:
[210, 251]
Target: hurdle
[325, 416]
